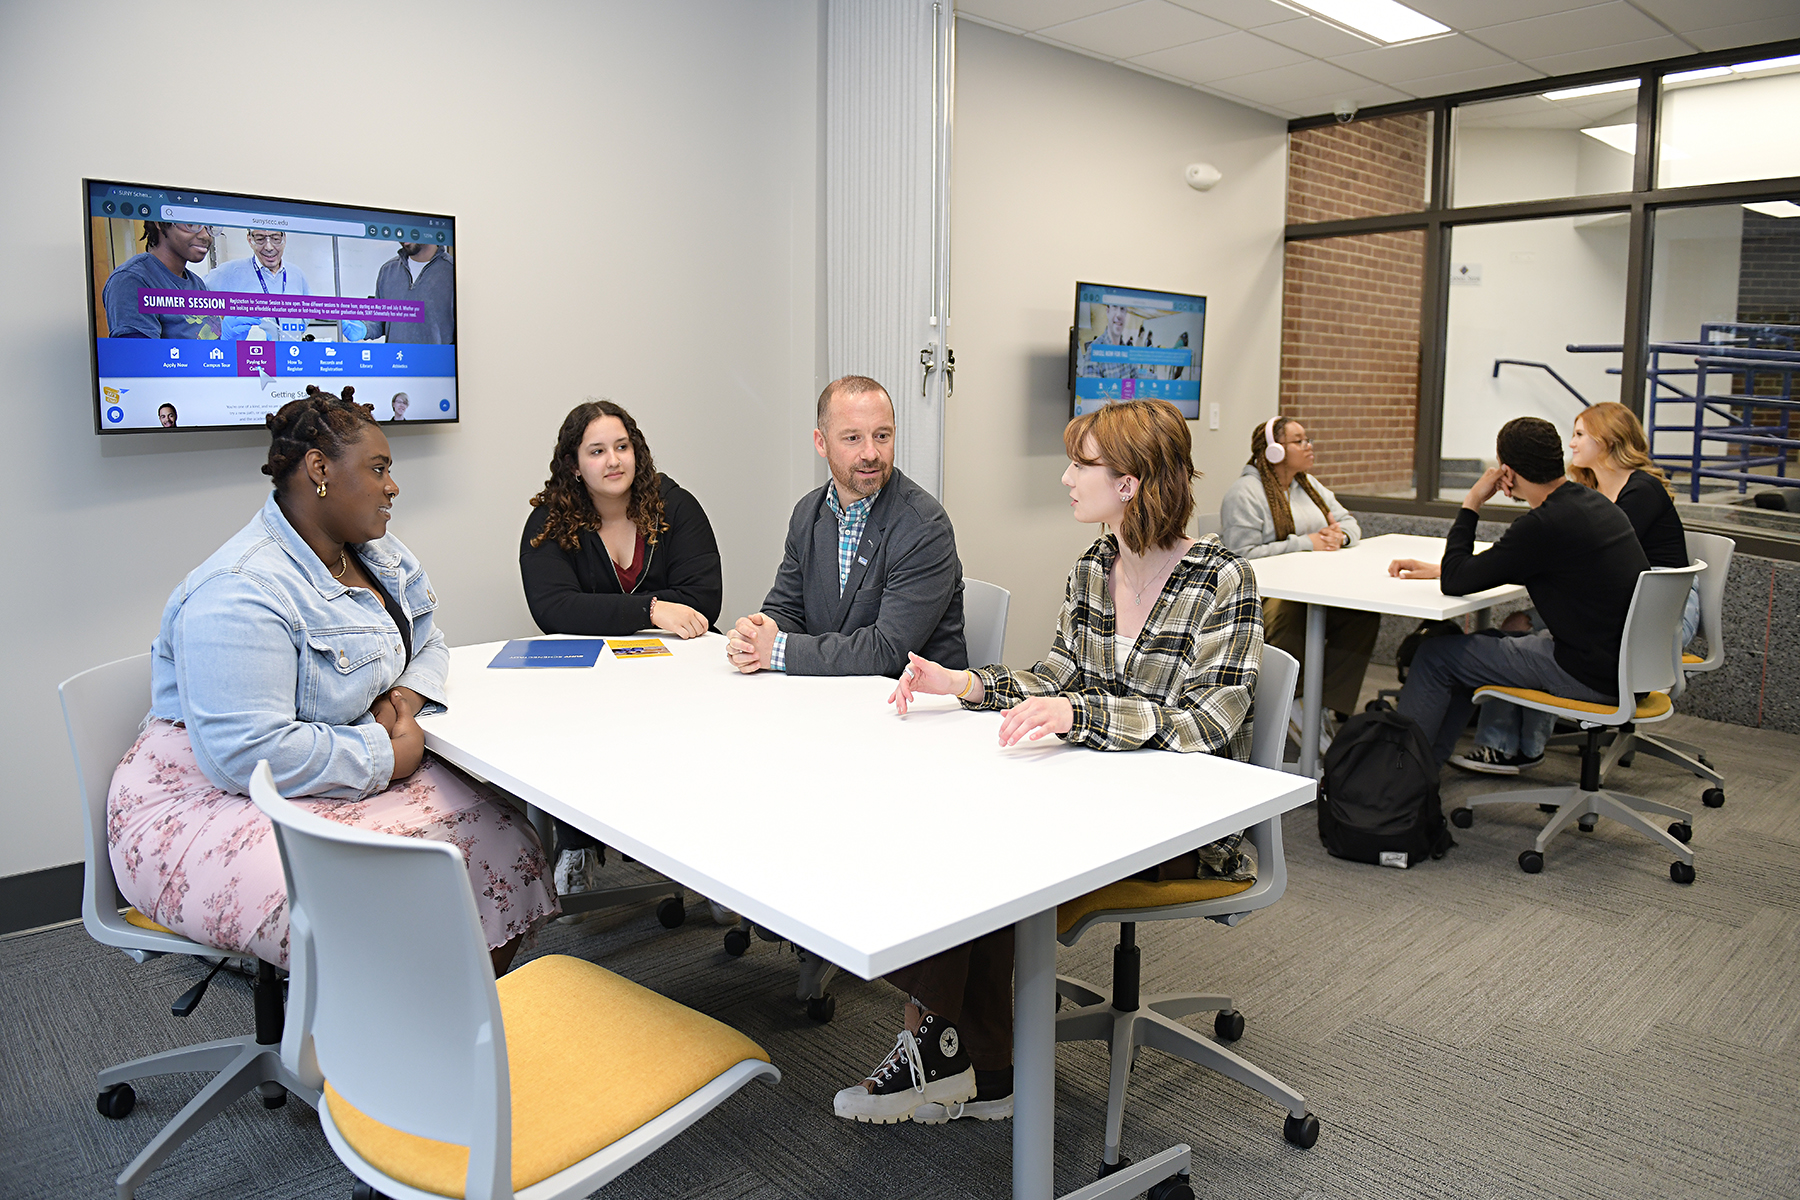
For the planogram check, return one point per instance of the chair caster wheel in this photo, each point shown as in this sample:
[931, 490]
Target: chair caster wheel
[363, 1191]
[1705, 761]
[1586, 824]
[1625, 760]
[278, 1100]
[822, 1008]
[1462, 818]
[1107, 1168]
[116, 1102]
[1177, 1188]
[1680, 872]
[1549, 808]
[1378, 706]
[736, 942]
[1681, 831]
[1229, 1025]
[1301, 1131]
[1531, 862]
[671, 912]
[1713, 797]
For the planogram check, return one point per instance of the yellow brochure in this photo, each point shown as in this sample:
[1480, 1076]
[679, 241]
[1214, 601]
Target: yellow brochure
[638, 648]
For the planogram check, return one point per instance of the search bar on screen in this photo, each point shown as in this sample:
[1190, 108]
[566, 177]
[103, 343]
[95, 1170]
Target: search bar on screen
[255, 220]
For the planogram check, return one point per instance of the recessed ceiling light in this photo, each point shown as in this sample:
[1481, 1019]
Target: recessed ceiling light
[1592, 89]
[1776, 208]
[1384, 20]
[1619, 137]
[1700, 73]
[1768, 64]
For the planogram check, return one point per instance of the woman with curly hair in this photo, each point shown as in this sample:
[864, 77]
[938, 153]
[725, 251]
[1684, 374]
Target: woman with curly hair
[308, 640]
[612, 545]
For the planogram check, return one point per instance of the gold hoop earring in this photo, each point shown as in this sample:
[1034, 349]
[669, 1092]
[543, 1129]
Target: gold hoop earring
[321, 489]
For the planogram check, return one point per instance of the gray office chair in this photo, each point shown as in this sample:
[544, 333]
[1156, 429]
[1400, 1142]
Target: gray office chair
[1715, 551]
[1207, 524]
[1126, 1020]
[104, 709]
[984, 630]
[1649, 667]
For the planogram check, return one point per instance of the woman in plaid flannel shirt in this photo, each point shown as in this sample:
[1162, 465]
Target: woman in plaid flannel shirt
[1157, 647]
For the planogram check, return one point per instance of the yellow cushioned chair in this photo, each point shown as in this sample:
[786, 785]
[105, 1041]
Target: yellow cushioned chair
[442, 1082]
[1649, 665]
[1124, 1020]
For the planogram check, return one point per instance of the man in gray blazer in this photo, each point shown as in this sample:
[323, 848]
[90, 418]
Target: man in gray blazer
[870, 570]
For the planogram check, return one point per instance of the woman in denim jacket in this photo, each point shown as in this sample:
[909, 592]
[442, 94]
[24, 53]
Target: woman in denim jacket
[308, 640]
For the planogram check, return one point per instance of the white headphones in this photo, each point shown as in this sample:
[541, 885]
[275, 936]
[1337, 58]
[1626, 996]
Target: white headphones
[1273, 450]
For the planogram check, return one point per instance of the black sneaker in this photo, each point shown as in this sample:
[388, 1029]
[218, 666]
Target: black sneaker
[993, 1102]
[930, 1067]
[1486, 760]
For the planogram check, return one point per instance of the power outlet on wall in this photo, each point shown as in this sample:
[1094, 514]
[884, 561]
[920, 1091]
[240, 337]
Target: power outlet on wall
[1212, 416]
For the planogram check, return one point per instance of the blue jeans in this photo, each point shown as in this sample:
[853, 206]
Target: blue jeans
[1525, 732]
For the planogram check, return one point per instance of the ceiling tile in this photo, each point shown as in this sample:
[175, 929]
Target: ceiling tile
[1630, 54]
[1314, 37]
[1217, 58]
[1136, 29]
[1475, 14]
[1420, 60]
[1244, 14]
[1035, 14]
[1283, 84]
[1751, 33]
[1567, 32]
[1367, 96]
[1469, 81]
[1683, 15]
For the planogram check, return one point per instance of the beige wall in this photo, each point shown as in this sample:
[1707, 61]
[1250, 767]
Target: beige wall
[635, 188]
[1071, 169]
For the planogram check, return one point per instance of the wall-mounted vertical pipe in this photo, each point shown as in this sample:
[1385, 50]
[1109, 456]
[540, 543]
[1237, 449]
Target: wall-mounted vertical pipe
[943, 120]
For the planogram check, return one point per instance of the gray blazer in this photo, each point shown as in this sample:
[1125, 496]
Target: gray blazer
[904, 592]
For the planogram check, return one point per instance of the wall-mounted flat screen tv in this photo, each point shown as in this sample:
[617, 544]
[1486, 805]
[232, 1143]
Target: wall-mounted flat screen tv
[1131, 344]
[210, 310]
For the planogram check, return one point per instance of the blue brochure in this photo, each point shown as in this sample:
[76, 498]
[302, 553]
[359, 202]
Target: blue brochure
[550, 652]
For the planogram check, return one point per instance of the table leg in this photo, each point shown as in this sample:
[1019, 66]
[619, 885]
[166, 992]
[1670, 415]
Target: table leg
[1034, 1057]
[1312, 688]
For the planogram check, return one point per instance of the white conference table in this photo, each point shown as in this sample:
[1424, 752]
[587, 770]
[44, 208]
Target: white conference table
[874, 840]
[1357, 577]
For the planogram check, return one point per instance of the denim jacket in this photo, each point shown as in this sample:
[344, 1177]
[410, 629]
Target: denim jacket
[264, 655]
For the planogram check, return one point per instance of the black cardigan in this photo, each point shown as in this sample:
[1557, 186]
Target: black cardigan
[579, 592]
[1659, 529]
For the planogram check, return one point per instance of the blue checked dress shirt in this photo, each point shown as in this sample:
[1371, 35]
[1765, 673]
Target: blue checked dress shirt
[851, 523]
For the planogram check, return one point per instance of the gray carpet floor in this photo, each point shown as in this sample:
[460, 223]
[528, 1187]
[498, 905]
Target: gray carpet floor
[1461, 1029]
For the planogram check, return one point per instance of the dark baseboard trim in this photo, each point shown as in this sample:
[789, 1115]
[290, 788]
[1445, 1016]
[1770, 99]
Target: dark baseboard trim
[36, 898]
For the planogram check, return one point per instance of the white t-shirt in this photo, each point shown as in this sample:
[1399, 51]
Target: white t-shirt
[414, 266]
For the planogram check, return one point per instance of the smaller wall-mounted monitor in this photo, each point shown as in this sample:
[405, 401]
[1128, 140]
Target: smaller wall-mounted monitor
[1130, 344]
[210, 310]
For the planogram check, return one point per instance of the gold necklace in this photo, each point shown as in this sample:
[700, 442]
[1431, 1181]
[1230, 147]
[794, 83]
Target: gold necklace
[343, 566]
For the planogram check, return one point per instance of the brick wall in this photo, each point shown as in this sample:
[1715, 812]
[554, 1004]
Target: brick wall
[1769, 269]
[1350, 305]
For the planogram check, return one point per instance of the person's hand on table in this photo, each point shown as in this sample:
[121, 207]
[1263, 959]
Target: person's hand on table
[1036, 717]
[1332, 537]
[751, 643]
[1494, 479]
[922, 677]
[1412, 568]
[678, 619]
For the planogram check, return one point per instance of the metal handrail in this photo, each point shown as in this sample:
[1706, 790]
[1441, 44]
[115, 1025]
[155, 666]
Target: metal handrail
[1521, 362]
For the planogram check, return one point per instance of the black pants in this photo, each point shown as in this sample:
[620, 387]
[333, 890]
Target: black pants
[971, 987]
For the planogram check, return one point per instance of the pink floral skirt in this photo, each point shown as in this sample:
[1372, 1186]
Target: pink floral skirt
[203, 862]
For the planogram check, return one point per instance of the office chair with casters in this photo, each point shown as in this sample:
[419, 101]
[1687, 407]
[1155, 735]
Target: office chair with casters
[1648, 667]
[104, 709]
[1127, 1020]
[437, 1080]
[984, 630]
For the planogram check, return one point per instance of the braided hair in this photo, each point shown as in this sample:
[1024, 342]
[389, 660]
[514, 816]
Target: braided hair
[1276, 494]
[568, 507]
[317, 421]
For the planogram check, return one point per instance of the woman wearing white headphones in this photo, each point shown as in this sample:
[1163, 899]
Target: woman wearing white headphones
[1275, 506]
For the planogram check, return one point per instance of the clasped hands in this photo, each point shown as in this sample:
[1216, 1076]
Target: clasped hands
[1035, 718]
[396, 710]
[1332, 537]
[750, 645]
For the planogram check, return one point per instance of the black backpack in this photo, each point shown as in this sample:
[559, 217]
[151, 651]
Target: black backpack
[1378, 802]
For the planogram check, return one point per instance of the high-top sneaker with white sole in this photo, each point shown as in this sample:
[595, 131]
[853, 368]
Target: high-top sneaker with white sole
[993, 1102]
[929, 1067]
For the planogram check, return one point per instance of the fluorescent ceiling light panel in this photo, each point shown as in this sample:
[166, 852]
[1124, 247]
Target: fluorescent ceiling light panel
[1768, 64]
[1592, 89]
[1776, 208]
[1701, 73]
[1384, 20]
[1619, 137]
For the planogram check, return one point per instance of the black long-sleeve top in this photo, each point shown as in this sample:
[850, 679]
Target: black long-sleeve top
[1659, 530]
[1578, 556]
[579, 592]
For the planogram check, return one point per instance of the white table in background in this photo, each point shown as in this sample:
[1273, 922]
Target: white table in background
[1357, 577]
[786, 799]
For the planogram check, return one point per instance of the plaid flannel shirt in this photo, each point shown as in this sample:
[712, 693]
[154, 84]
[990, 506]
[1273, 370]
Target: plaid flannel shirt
[1190, 678]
